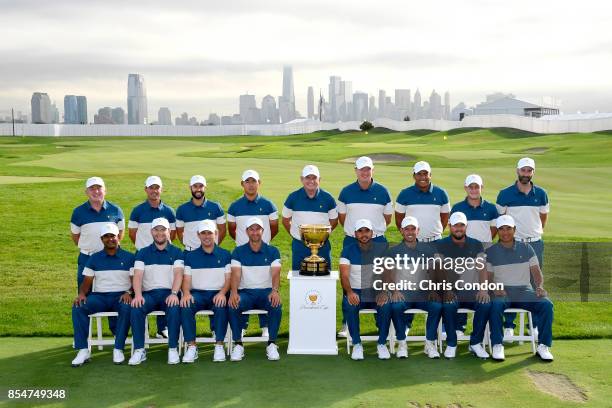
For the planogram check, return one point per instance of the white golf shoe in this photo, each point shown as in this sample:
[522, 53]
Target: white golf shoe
[479, 351]
[402, 349]
[383, 352]
[272, 352]
[118, 357]
[544, 353]
[219, 354]
[173, 356]
[431, 350]
[237, 353]
[450, 352]
[357, 353]
[138, 357]
[82, 357]
[498, 352]
[508, 333]
[191, 354]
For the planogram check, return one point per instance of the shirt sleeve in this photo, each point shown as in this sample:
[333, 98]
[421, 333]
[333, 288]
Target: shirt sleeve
[120, 219]
[88, 271]
[545, 207]
[75, 223]
[180, 221]
[445, 207]
[399, 206]
[341, 202]
[500, 205]
[287, 212]
[344, 261]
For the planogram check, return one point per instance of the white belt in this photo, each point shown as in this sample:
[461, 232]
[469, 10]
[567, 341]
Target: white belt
[188, 248]
[431, 239]
[88, 253]
[534, 239]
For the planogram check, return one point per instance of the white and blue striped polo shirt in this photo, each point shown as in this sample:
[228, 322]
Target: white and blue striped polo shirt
[480, 218]
[372, 203]
[143, 215]
[425, 206]
[255, 266]
[510, 266]
[361, 263]
[188, 216]
[208, 270]
[111, 273]
[305, 210]
[242, 209]
[525, 209]
[87, 222]
[158, 266]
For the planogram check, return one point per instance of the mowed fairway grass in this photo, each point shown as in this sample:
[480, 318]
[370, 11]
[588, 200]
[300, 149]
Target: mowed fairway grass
[41, 181]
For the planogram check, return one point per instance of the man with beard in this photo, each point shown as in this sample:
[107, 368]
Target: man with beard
[158, 275]
[108, 271]
[255, 283]
[464, 250]
[528, 205]
[139, 226]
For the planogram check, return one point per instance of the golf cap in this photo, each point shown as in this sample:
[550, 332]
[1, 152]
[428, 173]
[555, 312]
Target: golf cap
[94, 181]
[473, 178]
[254, 220]
[363, 223]
[457, 217]
[409, 220]
[197, 179]
[109, 228]
[364, 161]
[420, 166]
[153, 180]
[310, 170]
[207, 225]
[250, 174]
[160, 222]
[526, 162]
[504, 220]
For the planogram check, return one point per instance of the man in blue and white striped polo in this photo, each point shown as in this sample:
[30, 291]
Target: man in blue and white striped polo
[255, 283]
[516, 265]
[364, 199]
[158, 275]
[308, 205]
[139, 226]
[108, 272]
[199, 208]
[206, 283]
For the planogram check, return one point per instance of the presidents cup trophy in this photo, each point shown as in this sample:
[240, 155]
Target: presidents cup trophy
[314, 237]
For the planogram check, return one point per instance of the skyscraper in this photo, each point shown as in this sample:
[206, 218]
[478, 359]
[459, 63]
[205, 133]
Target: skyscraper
[82, 110]
[435, 105]
[310, 102]
[41, 106]
[382, 98]
[446, 105]
[269, 113]
[71, 111]
[118, 116]
[248, 109]
[334, 96]
[360, 106]
[416, 106]
[164, 117]
[402, 103]
[137, 100]
[345, 102]
[286, 103]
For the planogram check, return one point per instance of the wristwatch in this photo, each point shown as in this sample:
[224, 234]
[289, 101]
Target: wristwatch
[275, 290]
[175, 292]
[129, 292]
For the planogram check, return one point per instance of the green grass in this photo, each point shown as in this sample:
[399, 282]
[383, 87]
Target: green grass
[303, 381]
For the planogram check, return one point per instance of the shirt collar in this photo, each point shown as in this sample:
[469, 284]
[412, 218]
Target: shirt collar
[198, 206]
[531, 192]
[104, 205]
[369, 187]
[159, 207]
[482, 201]
[261, 248]
[256, 200]
[421, 191]
[306, 194]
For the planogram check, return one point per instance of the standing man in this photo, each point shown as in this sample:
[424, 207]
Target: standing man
[308, 205]
[364, 199]
[468, 259]
[199, 208]
[255, 283]
[158, 275]
[109, 272]
[515, 265]
[356, 266]
[206, 282]
[528, 205]
[139, 226]
[252, 204]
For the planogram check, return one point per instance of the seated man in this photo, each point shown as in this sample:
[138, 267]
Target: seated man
[206, 282]
[467, 255]
[513, 263]
[356, 263]
[158, 274]
[255, 282]
[418, 298]
[109, 272]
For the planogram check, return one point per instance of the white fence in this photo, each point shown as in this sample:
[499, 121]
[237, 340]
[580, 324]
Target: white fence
[534, 125]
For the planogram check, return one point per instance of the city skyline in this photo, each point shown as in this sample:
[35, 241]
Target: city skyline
[530, 49]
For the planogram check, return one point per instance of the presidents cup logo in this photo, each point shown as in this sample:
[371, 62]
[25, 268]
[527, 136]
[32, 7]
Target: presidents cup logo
[313, 298]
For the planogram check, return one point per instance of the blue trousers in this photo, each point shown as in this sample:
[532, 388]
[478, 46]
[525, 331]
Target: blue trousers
[255, 299]
[81, 263]
[100, 302]
[300, 251]
[482, 313]
[416, 301]
[522, 297]
[351, 313]
[155, 300]
[203, 300]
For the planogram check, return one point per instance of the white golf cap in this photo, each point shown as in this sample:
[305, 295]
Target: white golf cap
[153, 180]
[457, 217]
[420, 166]
[250, 174]
[109, 228]
[253, 221]
[94, 181]
[410, 220]
[309, 170]
[197, 179]
[364, 161]
[504, 220]
[526, 162]
[473, 178]
[363, 223]
[207, 225]
[160, 222]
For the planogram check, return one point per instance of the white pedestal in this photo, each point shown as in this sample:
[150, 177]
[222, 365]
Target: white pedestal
[312, 314]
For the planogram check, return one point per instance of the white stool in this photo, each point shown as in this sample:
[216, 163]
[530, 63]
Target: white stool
[423, 337]
[100, 341]
[149, 340]
[486, 339]
[212, 339]
[521, 336]
[390, 337]
[247, 339]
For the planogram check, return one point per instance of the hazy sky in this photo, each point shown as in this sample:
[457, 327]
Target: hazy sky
[198, 56]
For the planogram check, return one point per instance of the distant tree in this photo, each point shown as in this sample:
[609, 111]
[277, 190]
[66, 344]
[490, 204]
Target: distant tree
[407, 118]
[366, 125]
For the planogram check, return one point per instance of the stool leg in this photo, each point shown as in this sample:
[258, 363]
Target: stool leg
[99, 328]
[533, 347]
[89, 338]
[522, 327]
[146, 332]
